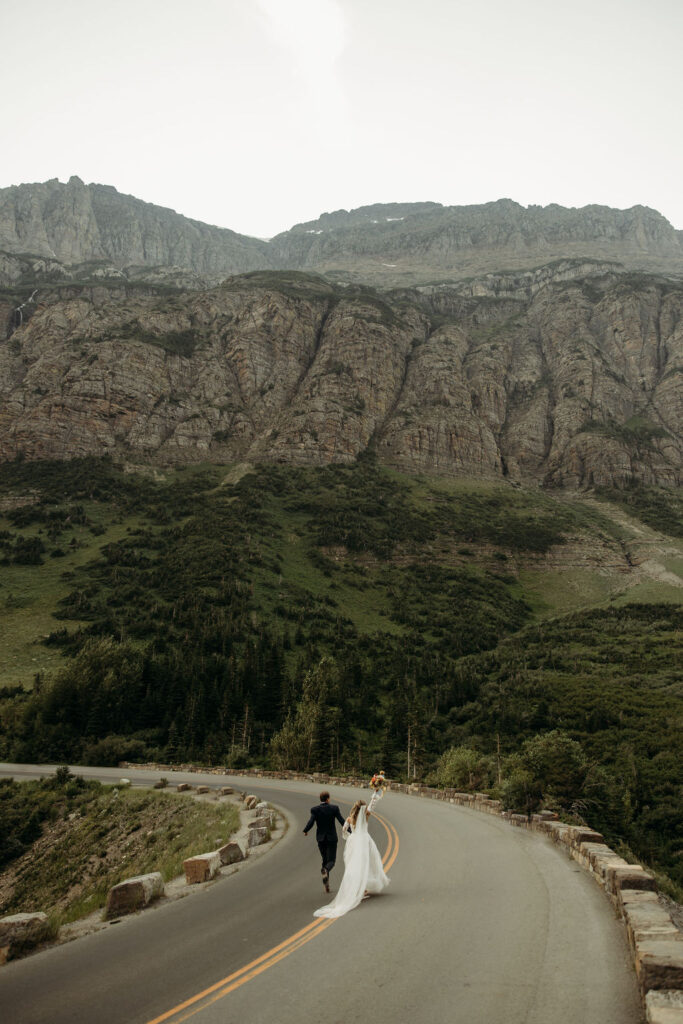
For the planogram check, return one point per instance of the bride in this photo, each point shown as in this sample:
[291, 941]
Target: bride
[363, 871]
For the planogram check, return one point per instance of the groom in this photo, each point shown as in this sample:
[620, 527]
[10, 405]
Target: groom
[323, 817]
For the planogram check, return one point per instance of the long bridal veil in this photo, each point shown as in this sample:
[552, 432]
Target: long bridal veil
[363, 871]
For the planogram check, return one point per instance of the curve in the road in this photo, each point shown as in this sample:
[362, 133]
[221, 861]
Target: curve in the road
[252, 970]
[482, 924]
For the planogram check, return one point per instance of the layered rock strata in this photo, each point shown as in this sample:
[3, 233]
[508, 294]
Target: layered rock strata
[573, 383]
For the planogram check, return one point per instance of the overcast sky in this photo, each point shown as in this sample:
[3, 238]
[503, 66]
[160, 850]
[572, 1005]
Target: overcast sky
[259, 114]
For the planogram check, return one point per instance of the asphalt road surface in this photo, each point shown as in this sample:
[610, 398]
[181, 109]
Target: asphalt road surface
[481, 924]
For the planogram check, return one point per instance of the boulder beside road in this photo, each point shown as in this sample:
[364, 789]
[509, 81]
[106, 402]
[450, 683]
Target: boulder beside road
[202, 868]
[258, 836]
[133, 894]
[231, 853]
[20, 932]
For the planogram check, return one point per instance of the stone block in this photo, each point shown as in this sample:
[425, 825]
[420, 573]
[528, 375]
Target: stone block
[183, 787]
[629, 896]
[631, 876]
[202, 868]
[258, 836]
[659, 963]
[133, 894]
[648, 920]
[250, 802]
[606, 861]
[21, 932]
[227, 790]
[202, 789]
[585, 835]
[520, 820]
[539, 824]
[597, 851]
[231, 853]
[260, 808]
[265, 821]
[558, 832]
[595, 857]
[664, 1007]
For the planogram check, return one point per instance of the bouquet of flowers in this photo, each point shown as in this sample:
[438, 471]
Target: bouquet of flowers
[378, 784]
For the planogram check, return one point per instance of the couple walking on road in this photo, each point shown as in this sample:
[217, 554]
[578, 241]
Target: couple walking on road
[363, 871]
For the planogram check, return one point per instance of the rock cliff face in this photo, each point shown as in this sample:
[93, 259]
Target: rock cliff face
[84, 231]
[75, 223]
[570, 382]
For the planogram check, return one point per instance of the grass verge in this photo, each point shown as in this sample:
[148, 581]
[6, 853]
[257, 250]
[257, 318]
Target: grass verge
[93, 836]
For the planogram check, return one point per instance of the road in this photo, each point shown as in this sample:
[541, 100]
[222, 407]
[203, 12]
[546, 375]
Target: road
[481, 924]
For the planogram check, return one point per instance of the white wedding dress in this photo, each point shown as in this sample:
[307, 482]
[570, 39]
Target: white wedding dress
[363, 871]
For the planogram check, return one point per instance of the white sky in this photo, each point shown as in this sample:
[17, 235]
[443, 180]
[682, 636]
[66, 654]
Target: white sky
[258, 114]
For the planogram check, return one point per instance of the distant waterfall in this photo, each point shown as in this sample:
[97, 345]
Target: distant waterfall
[18, 314]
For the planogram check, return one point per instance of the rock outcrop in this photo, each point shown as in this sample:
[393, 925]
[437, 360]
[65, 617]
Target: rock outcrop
[574, 382]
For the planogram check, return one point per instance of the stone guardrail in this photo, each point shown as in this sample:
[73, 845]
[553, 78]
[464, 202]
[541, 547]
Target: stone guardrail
[655, 941]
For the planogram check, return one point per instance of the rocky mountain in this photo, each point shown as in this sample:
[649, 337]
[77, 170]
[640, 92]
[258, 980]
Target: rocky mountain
[571, 375]
[78, 224]
[87, 232]
[416, 243]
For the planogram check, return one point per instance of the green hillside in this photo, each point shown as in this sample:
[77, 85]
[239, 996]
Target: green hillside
[348, 618]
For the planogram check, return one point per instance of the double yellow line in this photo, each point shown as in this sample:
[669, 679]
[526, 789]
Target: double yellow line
[273, 956]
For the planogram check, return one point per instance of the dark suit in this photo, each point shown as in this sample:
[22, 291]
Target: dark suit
[323, 817]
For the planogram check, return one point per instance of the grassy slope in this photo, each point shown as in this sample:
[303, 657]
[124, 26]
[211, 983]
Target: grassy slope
[29, 595]
[357, 585]
[95, 836]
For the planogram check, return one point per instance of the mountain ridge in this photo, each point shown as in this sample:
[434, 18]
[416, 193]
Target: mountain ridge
[73, 223]
[387, 245]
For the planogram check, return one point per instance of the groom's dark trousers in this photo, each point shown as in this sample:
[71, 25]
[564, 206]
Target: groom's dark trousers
[324, 817]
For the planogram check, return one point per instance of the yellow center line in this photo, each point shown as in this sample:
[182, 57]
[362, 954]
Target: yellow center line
[321, 926]
[224, 981]
[389, 857]
[251, 970]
